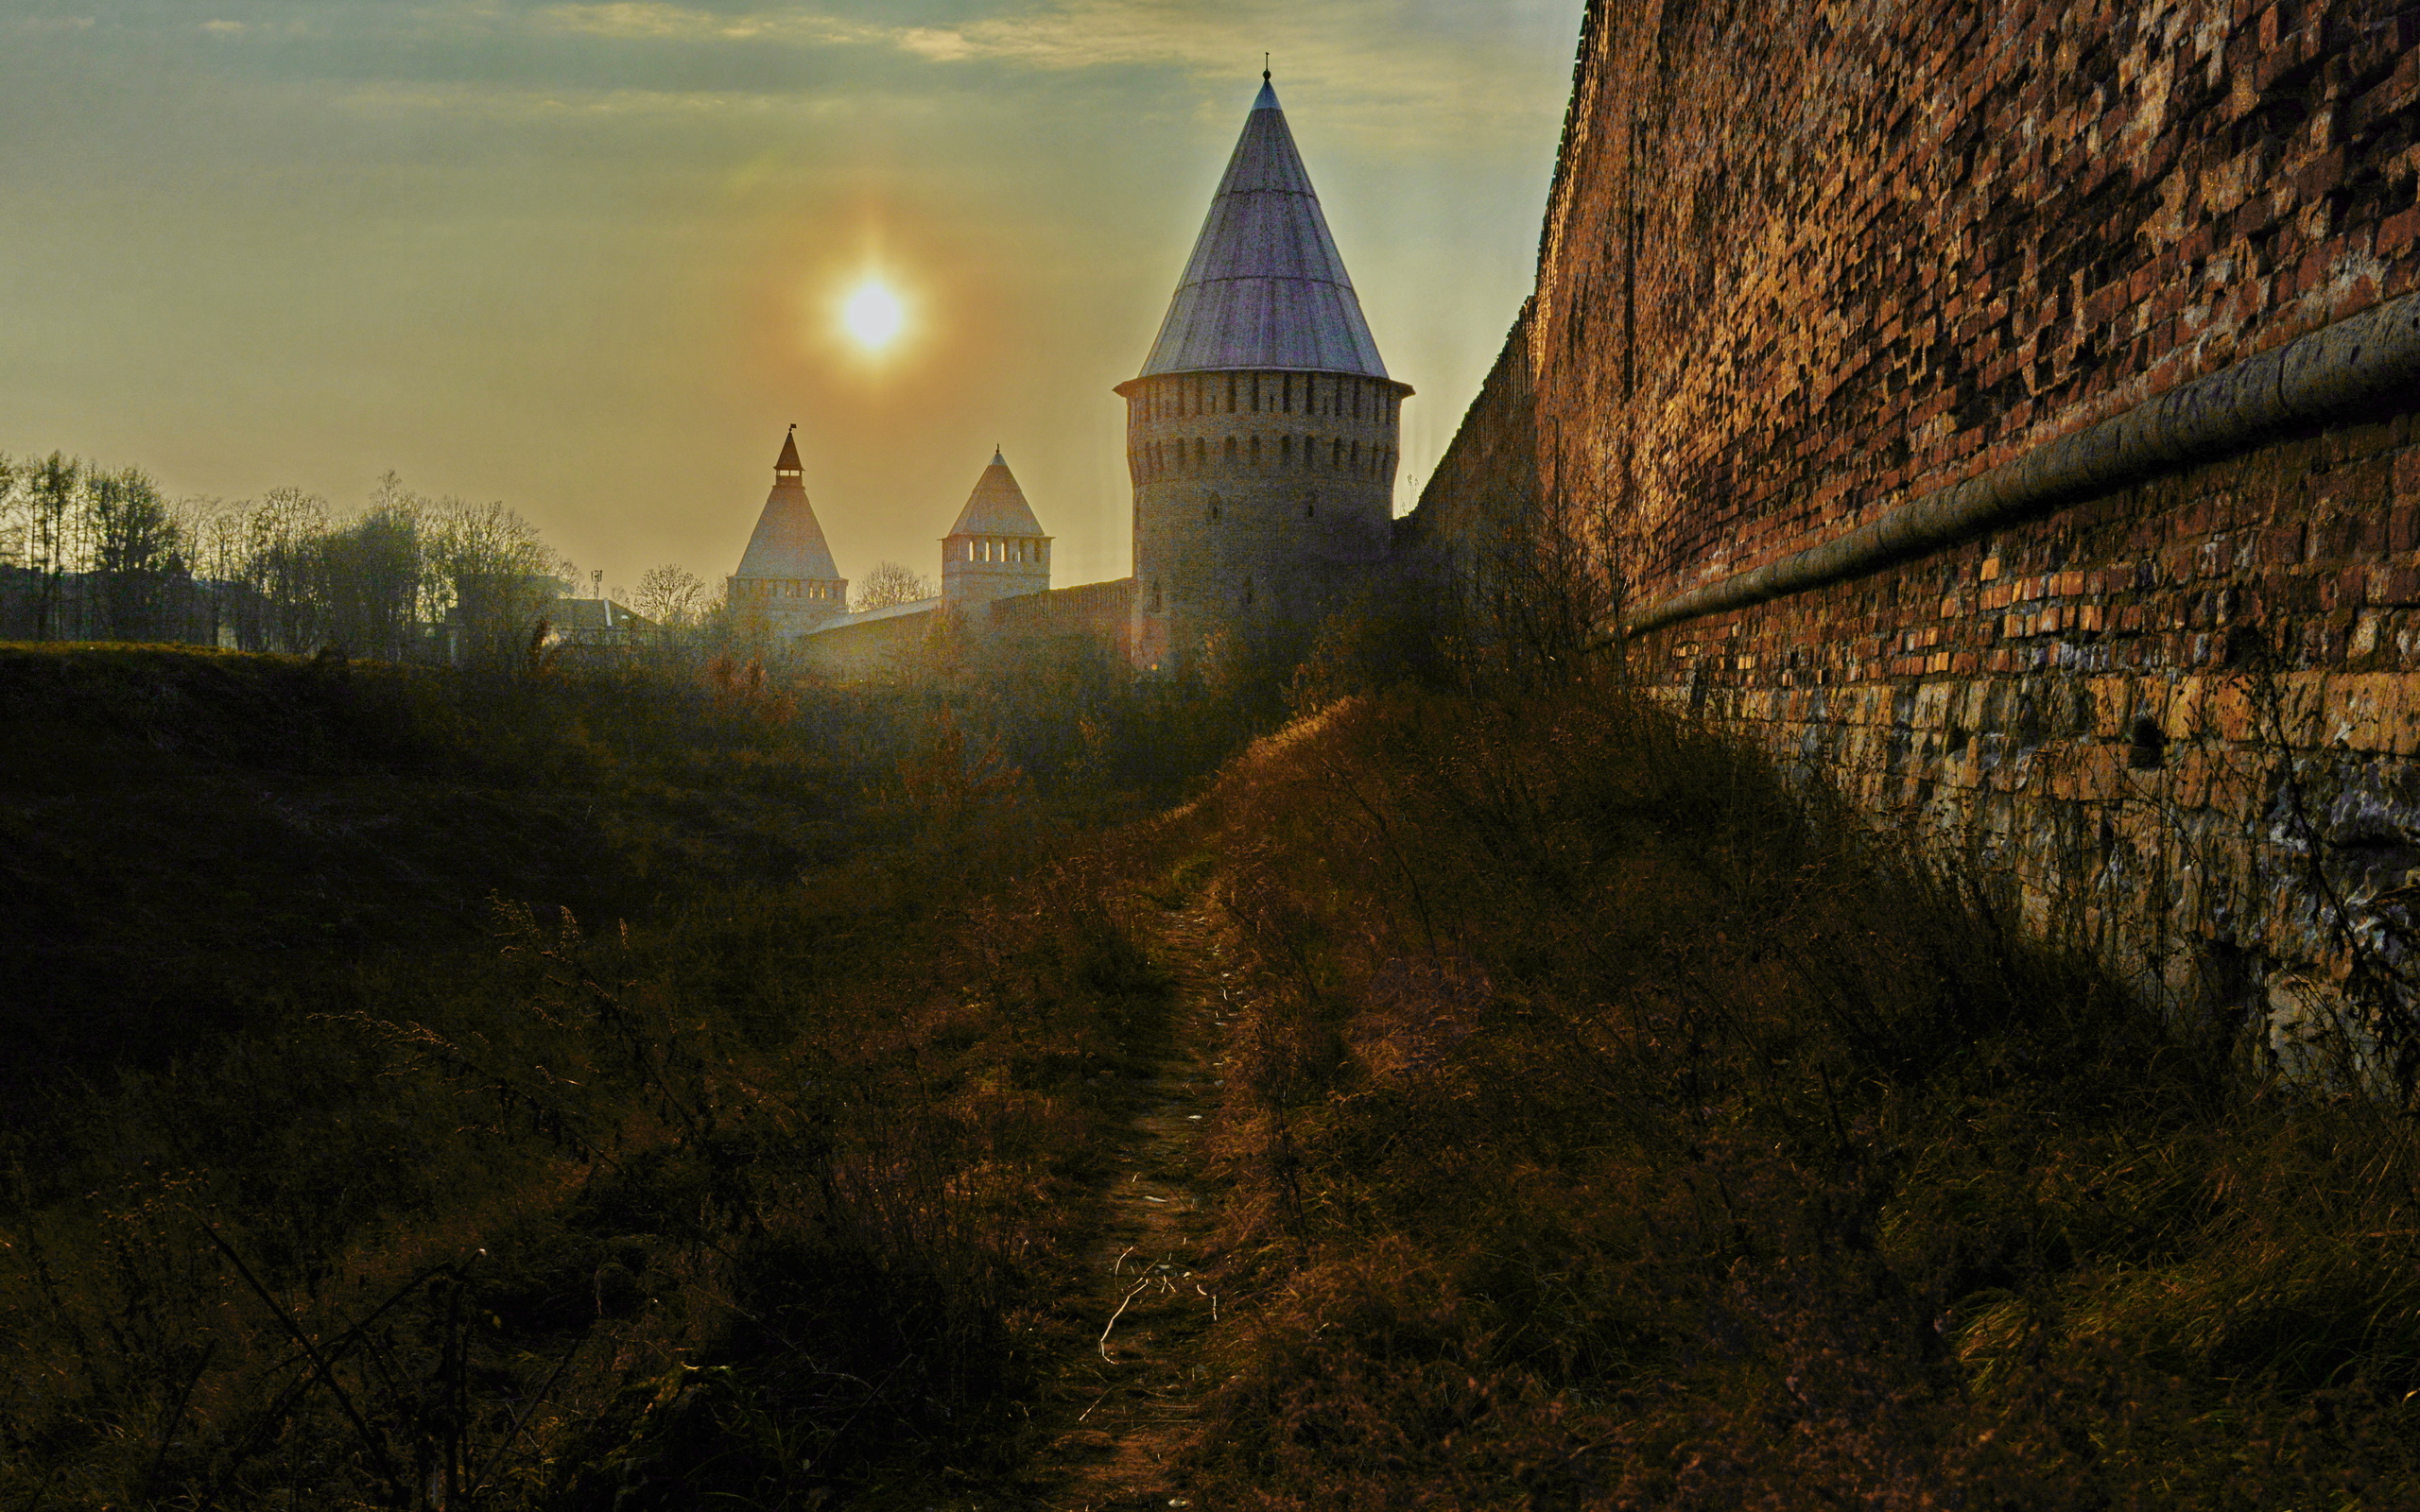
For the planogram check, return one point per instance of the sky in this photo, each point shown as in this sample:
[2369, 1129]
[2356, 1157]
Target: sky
[590, 258]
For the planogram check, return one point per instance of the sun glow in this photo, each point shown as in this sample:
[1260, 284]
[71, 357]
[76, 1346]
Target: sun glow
[873, 315]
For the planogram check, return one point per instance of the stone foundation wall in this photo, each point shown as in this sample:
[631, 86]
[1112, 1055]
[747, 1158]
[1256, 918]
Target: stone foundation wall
[2179, 722]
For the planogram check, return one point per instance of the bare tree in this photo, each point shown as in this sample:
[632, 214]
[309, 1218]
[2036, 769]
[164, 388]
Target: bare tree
[671, 595]
[282, 534]
[890, 583]
[371, 578]
[494, 578]
[137, 554]
[52, 486]
[12, 547]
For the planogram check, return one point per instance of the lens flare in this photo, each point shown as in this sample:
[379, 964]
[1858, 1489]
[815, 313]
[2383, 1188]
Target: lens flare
[873, 315]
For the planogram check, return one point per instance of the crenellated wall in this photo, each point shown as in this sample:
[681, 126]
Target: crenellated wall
[1255, 494]
[1808, 272]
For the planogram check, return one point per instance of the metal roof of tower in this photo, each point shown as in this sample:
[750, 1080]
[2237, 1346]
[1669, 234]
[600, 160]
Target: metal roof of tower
[997, 507]
[788, 541]
[1265, 287]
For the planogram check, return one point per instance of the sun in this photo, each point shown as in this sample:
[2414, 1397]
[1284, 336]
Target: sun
[873, 315]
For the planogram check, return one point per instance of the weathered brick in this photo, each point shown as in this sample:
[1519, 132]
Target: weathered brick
[1779, 364]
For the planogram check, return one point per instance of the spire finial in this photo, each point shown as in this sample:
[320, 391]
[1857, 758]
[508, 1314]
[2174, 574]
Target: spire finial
[1264, 68]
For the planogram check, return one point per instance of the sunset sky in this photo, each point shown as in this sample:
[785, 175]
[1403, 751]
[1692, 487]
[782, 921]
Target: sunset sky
[591, 259]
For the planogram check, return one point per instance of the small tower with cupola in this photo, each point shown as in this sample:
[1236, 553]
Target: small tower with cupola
[996, 549]
[786, 579]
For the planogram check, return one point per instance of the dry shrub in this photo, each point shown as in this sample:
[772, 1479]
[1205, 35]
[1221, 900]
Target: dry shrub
[758, 1202]
[1611, 1126]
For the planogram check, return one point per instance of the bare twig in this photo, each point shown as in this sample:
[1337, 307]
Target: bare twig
[521, 1420]
[1120, 1312]
[176, 1415]
[319, 1364]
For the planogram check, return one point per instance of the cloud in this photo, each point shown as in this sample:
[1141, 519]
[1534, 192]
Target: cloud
[647, 19]
[1380, 64]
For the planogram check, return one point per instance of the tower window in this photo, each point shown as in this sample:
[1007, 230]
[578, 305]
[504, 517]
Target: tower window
[1215, 506]
[1310, 507]
[1286, 450]
[1152, 604]
[1247, 592]
[1230, 393]
[1288, 380]
[1230, 450]
[1256, 450]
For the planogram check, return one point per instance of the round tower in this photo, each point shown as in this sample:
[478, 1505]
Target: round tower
[996, 549]
[1262, 433]
[786, 578]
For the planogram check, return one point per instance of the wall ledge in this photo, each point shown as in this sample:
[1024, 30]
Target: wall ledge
[2358, 363]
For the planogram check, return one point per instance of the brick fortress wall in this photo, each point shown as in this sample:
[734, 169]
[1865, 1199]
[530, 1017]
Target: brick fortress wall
[1803, 266]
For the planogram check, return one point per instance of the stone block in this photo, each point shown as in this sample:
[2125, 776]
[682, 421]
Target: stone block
[2188, 712]
[2235, 712]
[2113, 707]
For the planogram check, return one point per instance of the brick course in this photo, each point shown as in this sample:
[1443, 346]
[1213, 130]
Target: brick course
[1802, 264]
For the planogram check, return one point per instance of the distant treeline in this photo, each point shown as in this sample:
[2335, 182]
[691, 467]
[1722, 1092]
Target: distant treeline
[89, 554]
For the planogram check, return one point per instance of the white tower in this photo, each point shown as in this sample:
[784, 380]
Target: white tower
[787, 577]
[997, 550]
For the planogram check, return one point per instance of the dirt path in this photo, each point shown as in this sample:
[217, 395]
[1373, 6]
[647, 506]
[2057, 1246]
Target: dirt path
[1129, 1405]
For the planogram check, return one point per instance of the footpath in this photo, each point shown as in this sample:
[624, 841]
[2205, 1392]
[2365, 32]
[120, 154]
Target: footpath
[1129, 1407]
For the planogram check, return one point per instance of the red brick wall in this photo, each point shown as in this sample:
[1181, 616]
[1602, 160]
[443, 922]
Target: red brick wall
[1803, 264]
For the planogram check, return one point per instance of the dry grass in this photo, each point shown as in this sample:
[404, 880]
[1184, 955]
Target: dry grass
[1604, 1125]
[765, 1195]
[1608, 1130]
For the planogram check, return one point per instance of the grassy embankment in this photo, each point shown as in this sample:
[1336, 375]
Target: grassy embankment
[513, 1093]
[1601, 1129]
[1606, 1130]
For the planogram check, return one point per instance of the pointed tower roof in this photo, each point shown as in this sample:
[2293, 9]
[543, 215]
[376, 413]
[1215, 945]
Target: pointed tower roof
[997, 507]
[1265, 287]
[788, 543]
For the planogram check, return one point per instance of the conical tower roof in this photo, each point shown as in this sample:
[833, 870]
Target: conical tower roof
[1265, 287]
[997, 507]
[788, 543]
